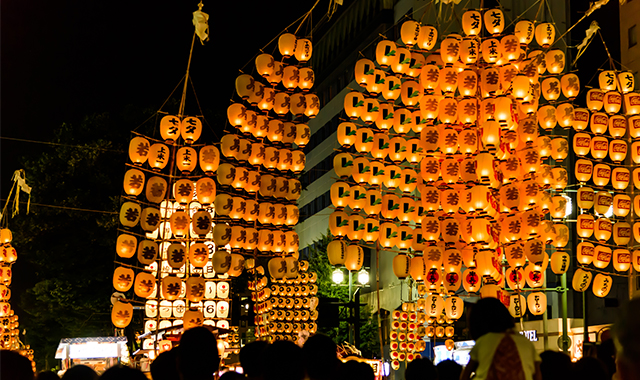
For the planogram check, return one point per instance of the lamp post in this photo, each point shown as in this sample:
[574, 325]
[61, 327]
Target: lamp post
[354, 307]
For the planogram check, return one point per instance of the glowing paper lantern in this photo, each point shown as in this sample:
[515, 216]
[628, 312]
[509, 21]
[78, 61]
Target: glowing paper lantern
[581, 280]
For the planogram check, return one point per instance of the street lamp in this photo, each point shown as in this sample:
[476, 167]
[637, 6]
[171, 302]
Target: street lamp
[363, 277]
[337, 276]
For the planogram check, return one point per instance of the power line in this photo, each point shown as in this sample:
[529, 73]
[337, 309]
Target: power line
[58, 144]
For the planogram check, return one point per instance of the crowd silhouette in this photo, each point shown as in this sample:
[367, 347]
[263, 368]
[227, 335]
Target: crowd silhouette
[499, 353]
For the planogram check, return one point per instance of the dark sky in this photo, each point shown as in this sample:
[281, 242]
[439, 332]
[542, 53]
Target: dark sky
[62, 60]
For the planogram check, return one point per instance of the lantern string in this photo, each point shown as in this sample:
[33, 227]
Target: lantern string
[59, 144]
[68, 208]
[522, 14]
[583, 267]
[170, 95]
[193, 88]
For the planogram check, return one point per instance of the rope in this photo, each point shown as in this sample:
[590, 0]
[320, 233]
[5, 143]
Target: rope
[71, 208]
[59, 144]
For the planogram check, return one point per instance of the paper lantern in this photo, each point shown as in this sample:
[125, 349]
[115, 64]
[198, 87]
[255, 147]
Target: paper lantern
[489, 81]
[581, 280]
[602, 285]
[428, 37]
[617, 150]
[417, 269]
[617, 126]
[286, 44]
[364, 140]
[547, 117]
[385, 53]
[303, 50]
[450, 50]
[537, 303]
[632, 103]
[581, 144]
[621, 205]
[612, 102]
[170, 128]
[584, 170]
[191, 129]
[429, 78]
[580, 119]
[545, 34]
[585, 225]
[123, 279]
[607, 80]
[491, 50]
[515, 278]
[471, 22]
[448, 80]
[129, 214]
[401, 266]
[121, 314]
[494, 21]
[402, 61]
[392, 176]
[636, 259]
[158, 156]
[585, 253]
[620, 178]
[337, 252]
[471, 281]
[555, 61]
[559, 149]
[340, 194]
[388, 237]
[560, 262]
[469, 51]
[621, 260]
[601, 174]
[601, 256]
[364, 71]
[524, 31]
[354, 257]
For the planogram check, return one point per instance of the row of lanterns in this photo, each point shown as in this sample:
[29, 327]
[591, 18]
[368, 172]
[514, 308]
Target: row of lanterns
[261, 153]
[9, 325]
[178, 223]
[474, 161]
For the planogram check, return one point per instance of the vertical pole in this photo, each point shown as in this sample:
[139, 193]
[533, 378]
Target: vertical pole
[545, 332]
[565, 335]
[183, 100]
[585, 320]
[351, 310]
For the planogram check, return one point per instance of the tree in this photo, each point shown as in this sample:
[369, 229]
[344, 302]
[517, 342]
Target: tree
[63, 274]
[319, 263]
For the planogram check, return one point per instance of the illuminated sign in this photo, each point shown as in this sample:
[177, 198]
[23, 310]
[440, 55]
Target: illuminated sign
[532, 335]
[93, 350]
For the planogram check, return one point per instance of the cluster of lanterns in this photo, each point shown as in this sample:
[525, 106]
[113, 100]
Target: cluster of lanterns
[169, 235]
[612, 111]
[259, 189]
[431, 315]
[446, 161]
[8, 320]
[288, 306]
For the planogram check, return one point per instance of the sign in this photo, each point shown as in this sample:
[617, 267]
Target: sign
[93, 350]
[532, 335]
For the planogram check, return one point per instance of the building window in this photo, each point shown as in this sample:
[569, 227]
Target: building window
[633, 40]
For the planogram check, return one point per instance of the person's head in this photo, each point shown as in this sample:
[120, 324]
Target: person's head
[589, 368]
[282, 360]
[230, 375]
[421, 369]
[320, 357]
[47, 375]
[250, 358]
[555, 365]
[198, 357]
[80, 372]
[449, 370]
[120, 372]
[164, 367]
[626, 334]
[355, 370]
[14, 366]
[489, 315]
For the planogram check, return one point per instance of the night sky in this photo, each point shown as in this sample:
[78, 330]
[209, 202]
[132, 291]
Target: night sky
[64, 60]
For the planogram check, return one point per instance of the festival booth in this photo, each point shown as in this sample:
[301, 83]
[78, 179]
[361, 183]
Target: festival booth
[99, 353]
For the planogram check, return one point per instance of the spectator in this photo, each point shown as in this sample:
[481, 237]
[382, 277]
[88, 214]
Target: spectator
[421, 369]
[231, 375]
[321, 358]
[165, 367]
[626, 333]
[80, 372]
[355, 370]
[197, 356]
[47, 375]
[555, 365]
[14, 366]
[250, 359]
[282, 360]
[500, 352]
[589, 368]
[449, 370]
[120, 372]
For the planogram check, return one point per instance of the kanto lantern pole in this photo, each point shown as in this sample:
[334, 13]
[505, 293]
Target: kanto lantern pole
[186, 79]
